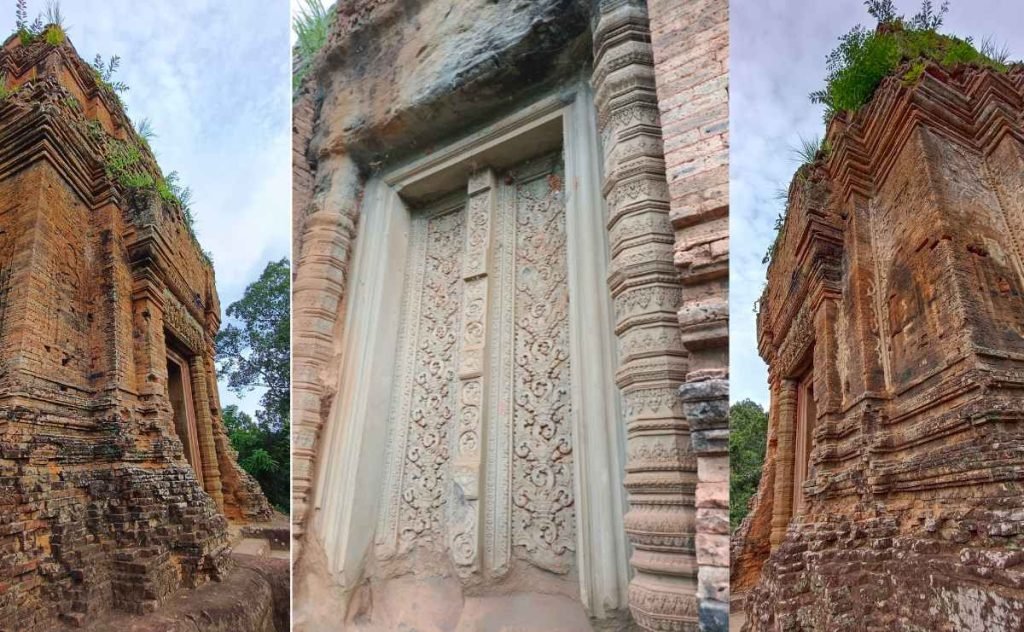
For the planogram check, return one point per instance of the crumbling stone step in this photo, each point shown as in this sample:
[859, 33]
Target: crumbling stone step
[277, 532]
[253, 546]
[253, 597]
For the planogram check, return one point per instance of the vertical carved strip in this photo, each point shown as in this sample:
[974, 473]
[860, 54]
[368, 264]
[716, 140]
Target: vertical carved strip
[148, 334]
[499, 436]
[204, 426]
[660, 466]
[464, 525]
[782, 506]
[398, 428]
[543, 498]
[321, 272]
[427, 393]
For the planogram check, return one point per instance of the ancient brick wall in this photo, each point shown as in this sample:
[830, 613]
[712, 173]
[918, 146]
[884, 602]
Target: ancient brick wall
[690, 41]
[99, 508]
[897, 288]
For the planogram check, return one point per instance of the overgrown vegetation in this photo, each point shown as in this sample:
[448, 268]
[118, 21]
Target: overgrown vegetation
[4, 90]
[311, 24]
[263, 453]
[125, 161]
[255, 353]
[748, 440]
[808, 152]
[864, 58]
[104, 73]
[48, 26]
[780, 220]
[125, 164]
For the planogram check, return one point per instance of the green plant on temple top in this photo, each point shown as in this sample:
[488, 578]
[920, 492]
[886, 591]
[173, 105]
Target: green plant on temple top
[105, 73]
[311, 25]
[52, 29]
[863, 58]
[144, 129]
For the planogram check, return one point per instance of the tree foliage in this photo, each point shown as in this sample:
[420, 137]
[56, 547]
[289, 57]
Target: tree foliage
[748, 440]
[262, 452]
[255, 352]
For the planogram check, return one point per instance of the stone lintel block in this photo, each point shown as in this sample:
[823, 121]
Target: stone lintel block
[710, 441]
[714, 615]
[704, 386]
[712, 520]
[713, 583]
[713, 469]
[706, 404]
[712, 550]
[713, 495]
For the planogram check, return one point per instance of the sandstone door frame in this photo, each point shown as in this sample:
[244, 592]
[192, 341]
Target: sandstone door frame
[353, 454]
[191, 440]
[806, 415]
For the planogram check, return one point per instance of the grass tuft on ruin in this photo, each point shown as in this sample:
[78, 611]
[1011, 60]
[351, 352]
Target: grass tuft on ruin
[311, 25]
[897, 45]
[48, 26]
[129, 162]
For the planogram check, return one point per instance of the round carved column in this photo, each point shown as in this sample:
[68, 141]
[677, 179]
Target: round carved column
[204, 426]
[782, 506]
[661, 468]
[318, 291]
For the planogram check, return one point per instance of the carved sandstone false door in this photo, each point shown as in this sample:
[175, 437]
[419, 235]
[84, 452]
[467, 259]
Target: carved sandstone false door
[480, 451]
[179, 391]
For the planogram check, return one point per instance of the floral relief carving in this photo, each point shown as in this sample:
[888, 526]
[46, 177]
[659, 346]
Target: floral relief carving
[477, 236]
[542, 498]
[481, 433]
[431, 389]
[653, 400]
[184, 327]
[646, 299]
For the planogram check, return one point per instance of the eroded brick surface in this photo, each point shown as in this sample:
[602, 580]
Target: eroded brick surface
[896, 289]
[99, 509]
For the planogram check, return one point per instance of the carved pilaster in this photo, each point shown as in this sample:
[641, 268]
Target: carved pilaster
[148, 326]
[782, 507]
[466, 472]
[318, 292]
[660, 468]
[204, 424]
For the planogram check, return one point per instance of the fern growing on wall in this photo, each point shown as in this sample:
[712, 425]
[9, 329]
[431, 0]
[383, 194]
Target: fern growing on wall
[311, 24]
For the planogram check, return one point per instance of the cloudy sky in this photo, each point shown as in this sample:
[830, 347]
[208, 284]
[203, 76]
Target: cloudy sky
[213, 78]
[778, 50]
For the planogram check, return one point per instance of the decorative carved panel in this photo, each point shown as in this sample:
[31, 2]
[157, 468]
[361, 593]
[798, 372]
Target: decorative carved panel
[480, 447]
[424, 402]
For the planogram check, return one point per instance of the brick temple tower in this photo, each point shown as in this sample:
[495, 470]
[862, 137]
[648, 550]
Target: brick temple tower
[117, 480]
[893, 327]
